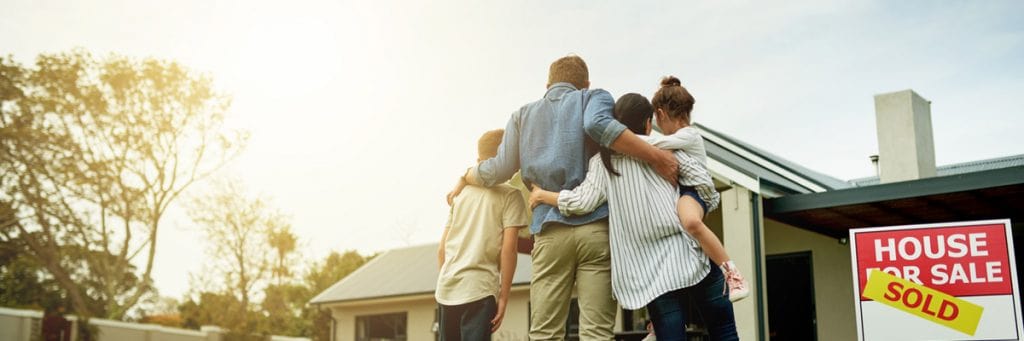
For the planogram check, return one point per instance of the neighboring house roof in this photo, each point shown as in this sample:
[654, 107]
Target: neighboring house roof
[958, 168]
[400, 272]
[782, 176]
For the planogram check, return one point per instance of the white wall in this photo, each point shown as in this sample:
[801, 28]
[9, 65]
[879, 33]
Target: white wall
[420, 317]
[21, 325]
[16, 324]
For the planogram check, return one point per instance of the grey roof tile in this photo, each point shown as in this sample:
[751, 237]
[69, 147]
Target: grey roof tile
[958, 168]
[400, 272]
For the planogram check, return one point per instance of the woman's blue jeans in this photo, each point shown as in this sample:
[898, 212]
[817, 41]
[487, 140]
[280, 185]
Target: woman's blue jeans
[668, 311]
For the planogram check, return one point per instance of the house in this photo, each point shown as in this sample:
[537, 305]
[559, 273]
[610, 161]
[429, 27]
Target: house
[392, 298]
[785, 225]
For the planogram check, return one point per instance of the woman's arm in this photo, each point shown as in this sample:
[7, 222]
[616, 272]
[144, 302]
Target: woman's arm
[589, 195]
[583, 199]
[601, 126]
[540, 196]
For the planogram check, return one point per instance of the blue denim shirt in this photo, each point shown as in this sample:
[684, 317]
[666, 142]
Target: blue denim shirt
[546, 139]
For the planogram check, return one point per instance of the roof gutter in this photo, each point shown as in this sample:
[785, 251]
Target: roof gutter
[896, 190]
[516, 287]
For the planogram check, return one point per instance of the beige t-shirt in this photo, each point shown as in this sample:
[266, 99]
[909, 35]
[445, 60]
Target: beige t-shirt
[473, 248]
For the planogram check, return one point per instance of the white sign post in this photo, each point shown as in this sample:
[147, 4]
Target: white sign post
[950, 281]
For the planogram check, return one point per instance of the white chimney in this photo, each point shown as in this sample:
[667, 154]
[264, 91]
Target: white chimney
[906, 150]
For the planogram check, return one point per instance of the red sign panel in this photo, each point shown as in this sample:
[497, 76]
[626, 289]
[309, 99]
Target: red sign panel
[969, 260]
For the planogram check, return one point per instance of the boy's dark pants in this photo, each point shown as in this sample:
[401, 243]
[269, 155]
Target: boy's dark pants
[467, 322]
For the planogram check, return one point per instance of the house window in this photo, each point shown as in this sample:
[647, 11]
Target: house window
[386, 327]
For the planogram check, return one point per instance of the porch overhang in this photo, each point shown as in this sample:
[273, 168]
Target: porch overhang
[991, 194]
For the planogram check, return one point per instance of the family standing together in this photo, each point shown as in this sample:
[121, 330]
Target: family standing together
[617, 216]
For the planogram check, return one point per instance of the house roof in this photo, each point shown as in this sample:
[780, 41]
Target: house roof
[786, 177]
[778, 175]
[400, 272]
[958, 168]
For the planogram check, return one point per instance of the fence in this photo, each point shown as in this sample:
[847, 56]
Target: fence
[24, 325]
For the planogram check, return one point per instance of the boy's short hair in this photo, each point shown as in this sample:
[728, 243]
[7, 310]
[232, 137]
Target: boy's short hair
[487, 147]
[569, 69]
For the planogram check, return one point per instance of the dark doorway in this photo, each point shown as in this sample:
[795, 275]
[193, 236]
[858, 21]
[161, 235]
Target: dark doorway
[791, 311]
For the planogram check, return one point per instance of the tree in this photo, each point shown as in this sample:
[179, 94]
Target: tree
[323, 275]
[237, 227]
[210, 308]
[93, 151]
[162, 310]
[281, 303]
[23, 283]
[282, 306]
[283, 241]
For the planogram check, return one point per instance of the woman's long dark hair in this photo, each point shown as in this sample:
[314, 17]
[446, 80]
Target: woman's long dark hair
[634, 111]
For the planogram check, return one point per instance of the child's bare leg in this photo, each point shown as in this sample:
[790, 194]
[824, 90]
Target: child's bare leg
[691, 215]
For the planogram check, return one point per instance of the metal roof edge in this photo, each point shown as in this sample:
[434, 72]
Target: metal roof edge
[872, 180]
[897, 190]
[412, 295]
[731, 144]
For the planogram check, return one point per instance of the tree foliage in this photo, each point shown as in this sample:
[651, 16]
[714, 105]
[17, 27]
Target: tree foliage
[284, 309]
[237, 227]
[283, 241]
[93, 151]
[322, 276]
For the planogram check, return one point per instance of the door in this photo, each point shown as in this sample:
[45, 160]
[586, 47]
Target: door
[791, 311]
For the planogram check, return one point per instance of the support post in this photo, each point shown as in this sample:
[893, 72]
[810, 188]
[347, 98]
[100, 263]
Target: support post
[743, 237]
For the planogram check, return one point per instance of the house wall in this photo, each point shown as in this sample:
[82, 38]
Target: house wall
[742, 244]
[833, 279]
[19, 325]
[420, 317]
[517, 318]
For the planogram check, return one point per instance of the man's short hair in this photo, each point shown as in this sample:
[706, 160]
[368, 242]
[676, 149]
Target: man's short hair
[489, 142]
[569, 69]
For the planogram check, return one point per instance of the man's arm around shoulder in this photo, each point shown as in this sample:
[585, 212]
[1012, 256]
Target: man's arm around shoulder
[600, 124]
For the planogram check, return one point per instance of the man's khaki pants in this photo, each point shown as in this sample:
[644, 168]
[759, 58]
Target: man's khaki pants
[564, 255]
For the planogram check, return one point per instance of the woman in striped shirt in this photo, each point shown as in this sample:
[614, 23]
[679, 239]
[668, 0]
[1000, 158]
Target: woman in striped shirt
[655, 263]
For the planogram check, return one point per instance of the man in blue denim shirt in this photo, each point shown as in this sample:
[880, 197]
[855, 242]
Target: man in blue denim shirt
[546, 140]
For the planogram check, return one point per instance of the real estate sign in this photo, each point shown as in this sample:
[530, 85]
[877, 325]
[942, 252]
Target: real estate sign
[951, 281]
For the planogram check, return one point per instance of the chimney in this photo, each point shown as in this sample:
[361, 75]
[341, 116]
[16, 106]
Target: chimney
[906, 150]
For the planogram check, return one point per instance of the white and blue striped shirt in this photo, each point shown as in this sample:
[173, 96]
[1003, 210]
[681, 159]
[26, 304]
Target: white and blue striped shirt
[651, 254]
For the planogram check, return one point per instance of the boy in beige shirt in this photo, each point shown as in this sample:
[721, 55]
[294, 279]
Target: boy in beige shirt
[478, 241]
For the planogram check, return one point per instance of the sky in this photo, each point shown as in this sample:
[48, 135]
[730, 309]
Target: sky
[362, 114]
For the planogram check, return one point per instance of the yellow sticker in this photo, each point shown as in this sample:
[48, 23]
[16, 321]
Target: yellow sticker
[923, 302]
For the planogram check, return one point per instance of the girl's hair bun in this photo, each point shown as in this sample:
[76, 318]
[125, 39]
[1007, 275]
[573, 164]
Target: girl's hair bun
[670, 81]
